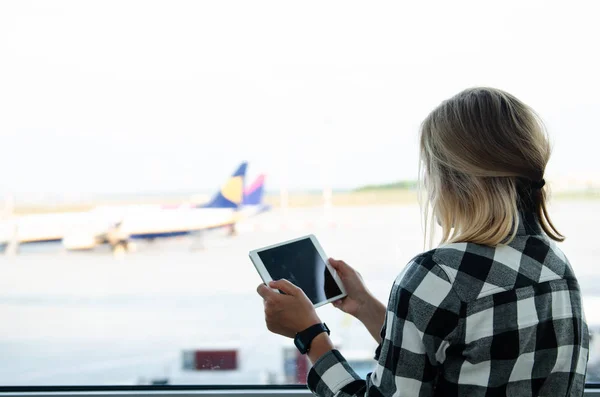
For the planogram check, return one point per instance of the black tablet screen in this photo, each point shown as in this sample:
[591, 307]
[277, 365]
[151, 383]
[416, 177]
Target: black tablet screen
[300, 263]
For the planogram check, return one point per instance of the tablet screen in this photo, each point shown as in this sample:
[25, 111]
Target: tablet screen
[300, 263]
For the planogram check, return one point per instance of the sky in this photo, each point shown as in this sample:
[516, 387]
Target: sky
[150, 96]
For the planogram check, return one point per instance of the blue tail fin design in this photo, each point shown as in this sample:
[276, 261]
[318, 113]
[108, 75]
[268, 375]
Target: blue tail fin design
[231, 193]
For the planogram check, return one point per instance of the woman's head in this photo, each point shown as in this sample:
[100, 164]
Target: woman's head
[482, 153]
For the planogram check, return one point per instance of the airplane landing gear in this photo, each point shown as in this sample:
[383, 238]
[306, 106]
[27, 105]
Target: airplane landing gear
[232, 230]
[120, 248]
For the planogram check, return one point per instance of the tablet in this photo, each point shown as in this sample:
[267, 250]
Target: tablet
[302, 262]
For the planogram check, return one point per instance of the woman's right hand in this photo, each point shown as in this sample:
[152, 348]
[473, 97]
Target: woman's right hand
[358, 296]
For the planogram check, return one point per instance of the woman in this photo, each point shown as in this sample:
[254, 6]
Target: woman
[495, 310]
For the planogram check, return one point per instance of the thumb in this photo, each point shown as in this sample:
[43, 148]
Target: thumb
[264, 291]
[339, 266]
[285, 286]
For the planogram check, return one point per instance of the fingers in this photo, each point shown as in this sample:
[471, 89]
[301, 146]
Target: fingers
[265, 291]
[337, 265]
[340, 267]
[285, 286]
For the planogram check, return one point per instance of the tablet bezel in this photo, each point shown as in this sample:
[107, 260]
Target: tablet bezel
[266, 277]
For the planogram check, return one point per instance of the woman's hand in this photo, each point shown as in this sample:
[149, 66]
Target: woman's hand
[359, 302]
[290, 313]
[358, 295]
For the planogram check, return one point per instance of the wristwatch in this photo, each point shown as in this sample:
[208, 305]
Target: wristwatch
[303, 339]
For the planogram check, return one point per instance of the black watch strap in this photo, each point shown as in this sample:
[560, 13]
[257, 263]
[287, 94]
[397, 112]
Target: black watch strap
[304, 338]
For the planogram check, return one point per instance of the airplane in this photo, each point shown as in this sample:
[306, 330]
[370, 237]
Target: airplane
[228, 206]
[253, 195]
[151, 222]
[252, 203]
[118, 225]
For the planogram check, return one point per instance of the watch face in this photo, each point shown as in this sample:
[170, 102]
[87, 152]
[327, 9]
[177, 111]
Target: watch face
[299, 345]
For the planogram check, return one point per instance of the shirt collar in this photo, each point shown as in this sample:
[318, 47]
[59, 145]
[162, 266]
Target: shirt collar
[529, 224]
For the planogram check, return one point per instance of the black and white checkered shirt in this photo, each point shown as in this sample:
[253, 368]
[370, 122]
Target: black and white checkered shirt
[472, 320]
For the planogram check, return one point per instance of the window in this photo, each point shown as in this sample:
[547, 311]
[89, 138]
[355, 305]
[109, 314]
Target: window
[126, 127]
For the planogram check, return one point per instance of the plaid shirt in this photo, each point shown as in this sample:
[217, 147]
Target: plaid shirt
[471, 320]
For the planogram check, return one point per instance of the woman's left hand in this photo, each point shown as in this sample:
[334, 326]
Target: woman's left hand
[290, 313]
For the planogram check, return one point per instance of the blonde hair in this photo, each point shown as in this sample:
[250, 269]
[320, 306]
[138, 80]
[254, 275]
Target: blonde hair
[482, 153]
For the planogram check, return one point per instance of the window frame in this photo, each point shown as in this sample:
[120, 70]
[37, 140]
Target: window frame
[592, 389]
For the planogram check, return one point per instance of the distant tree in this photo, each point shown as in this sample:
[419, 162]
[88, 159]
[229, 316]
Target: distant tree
[400, 185]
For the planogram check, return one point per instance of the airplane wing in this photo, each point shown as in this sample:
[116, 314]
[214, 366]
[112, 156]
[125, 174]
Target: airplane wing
[83, 230]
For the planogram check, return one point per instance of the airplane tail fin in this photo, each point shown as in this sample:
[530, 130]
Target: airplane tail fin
[253, 198]
[254, 193]
[231, 194]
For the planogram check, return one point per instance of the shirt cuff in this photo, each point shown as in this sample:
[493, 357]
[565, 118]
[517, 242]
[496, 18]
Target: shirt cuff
[330, 374]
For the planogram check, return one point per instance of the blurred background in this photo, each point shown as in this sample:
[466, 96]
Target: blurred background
[147, 146]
